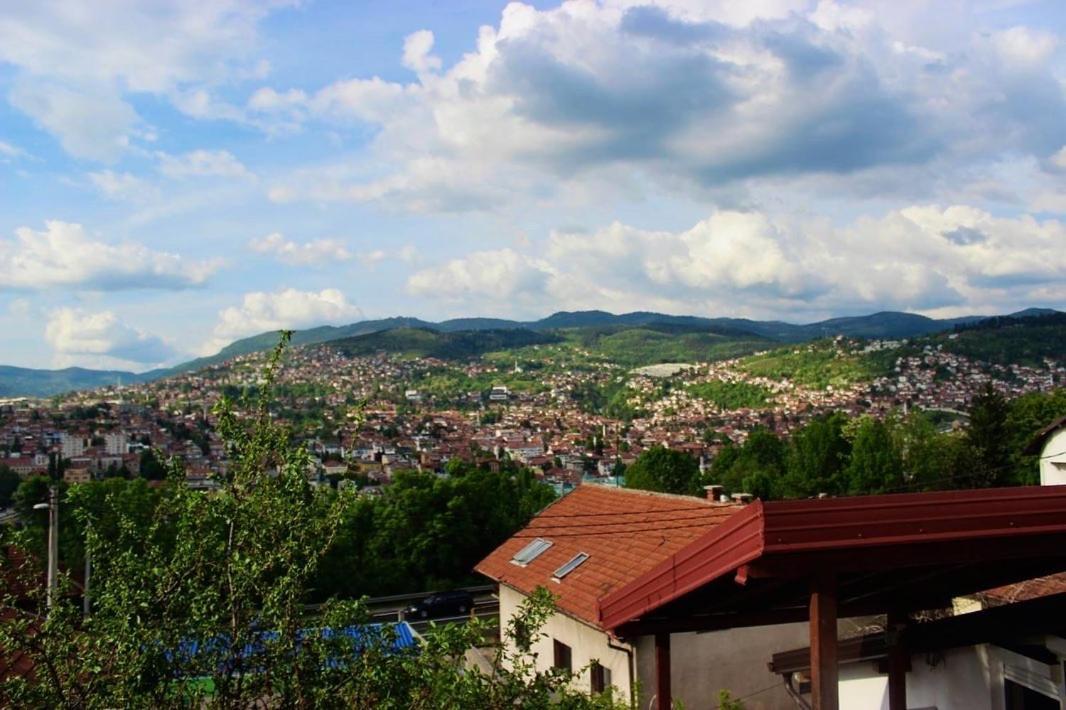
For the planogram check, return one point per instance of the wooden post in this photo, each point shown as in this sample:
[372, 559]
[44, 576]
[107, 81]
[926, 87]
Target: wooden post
[898, 660]
[662, 671]
[824, 691]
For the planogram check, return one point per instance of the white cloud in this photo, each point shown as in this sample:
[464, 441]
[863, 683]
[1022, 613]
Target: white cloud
[75, 62]
[260, 312]
[93, 125]
[9, 152]
[689, 95]
[318, 251]
[75, 333]
[64, 255]
[919, 258]
[497, 274]
[122, 185]
[416, 53]
[202, 163]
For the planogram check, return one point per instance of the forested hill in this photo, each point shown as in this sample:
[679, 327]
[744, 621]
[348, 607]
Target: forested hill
[629, 339]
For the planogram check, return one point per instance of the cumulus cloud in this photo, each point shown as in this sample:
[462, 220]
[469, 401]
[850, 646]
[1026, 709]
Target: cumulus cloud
[89, 125]
[501, 273]
[74, 63]
[711, 94]
[75, 333]
[318, 251]
[260, 312]
[202, 163]
[63, 254]
[920, 258]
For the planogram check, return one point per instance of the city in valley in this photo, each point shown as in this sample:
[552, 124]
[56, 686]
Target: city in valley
[566, 410]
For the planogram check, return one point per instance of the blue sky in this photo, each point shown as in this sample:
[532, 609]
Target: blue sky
[175, 175]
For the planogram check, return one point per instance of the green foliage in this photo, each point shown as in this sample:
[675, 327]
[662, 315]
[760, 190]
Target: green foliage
[875, 464]
[232, 570]
[988, 436]
[665, 470]
[1022, 341]
[820, 364]
[423, 342]
[817, 456]
[9, 483]
[726, 701]
[427, 532]
[732, 395]
[756, 467]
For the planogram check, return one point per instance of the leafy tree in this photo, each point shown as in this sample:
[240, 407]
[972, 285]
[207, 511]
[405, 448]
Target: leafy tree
[875, 464]
[198, 602]
[756, 467]
[816, 458]
[665, 470]
[9, 483]
[989, 437]
[151, 468]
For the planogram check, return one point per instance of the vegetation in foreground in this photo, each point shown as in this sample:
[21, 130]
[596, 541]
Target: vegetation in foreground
[198, 600]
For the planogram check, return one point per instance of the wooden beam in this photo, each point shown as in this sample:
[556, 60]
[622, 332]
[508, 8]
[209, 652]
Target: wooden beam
[823, 612]
[898, 660]
[662, 672]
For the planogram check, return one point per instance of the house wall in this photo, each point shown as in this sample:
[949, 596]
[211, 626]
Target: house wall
[955, 680]
[587, 644]
[1053, 467]
[970, 678]
[702, 664]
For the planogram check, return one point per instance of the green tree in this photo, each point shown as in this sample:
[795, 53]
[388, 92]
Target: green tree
[229, 572]
[150, 466]
[9, 483]
[875, 464]
[989, 437]
[665, 470]
[816, 458]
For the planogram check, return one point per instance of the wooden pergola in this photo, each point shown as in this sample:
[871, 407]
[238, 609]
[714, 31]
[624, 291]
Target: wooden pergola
[820, 560]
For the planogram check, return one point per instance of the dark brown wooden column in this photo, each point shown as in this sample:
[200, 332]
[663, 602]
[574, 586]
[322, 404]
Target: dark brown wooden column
[662, 671]
[898, 661]
[824, 691]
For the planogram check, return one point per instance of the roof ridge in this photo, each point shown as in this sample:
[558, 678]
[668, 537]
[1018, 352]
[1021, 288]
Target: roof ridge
[698, 500]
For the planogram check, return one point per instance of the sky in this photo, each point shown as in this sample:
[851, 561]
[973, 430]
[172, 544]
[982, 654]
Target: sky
[176, 175]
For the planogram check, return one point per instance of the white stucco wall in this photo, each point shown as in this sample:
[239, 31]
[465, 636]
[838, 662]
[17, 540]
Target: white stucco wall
[1053, 460]
[960, 679]
[956, 680]
[734, 659]
[586, 643]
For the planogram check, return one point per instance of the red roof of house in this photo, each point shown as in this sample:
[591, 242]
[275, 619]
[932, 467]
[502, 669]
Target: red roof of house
[624, 532]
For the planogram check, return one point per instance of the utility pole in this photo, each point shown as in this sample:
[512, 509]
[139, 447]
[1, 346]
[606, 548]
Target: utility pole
[53, 540]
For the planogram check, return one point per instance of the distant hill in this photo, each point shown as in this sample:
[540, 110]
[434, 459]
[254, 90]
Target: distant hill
[640, 336]
[425, 342]
[28, 382]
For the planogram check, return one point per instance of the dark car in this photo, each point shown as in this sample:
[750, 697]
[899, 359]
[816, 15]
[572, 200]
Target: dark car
[442, 604]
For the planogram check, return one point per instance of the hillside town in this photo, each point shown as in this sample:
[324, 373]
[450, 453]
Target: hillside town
[365, 418]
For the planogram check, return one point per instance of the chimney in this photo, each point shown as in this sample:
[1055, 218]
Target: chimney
[743, 498]
[714, 492]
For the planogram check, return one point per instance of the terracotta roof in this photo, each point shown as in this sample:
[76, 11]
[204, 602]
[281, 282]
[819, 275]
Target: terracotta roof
[624, 532]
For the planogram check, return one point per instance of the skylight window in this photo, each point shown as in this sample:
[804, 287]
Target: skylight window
[570, 566]
[531, 551]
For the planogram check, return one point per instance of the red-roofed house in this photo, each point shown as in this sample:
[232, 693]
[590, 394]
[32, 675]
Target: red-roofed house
[595, 541]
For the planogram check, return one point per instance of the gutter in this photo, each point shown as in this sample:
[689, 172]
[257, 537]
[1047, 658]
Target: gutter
[629, 654]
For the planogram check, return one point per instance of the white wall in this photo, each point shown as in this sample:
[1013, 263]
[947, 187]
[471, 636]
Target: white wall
[968, 678]
[1053, 467]
[587, 644]
[702, 664]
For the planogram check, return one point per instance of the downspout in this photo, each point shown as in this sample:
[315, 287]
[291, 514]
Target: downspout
[801, 702]
[629, 654]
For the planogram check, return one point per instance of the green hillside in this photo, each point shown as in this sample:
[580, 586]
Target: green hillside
[820, 364]
[1022, 341]
[422, 342]
[655, 343]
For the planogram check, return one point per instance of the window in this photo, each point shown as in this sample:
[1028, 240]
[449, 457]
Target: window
[570, 566]
[600, 677]
[561, 655]
[531, 552]
[1019, 697]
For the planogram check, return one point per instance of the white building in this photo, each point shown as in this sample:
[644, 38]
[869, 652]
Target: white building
[1050, 446]
[71, 445]
[116, 444]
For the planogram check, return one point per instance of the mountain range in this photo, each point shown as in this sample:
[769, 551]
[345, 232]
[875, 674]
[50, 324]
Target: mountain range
[463, 339]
